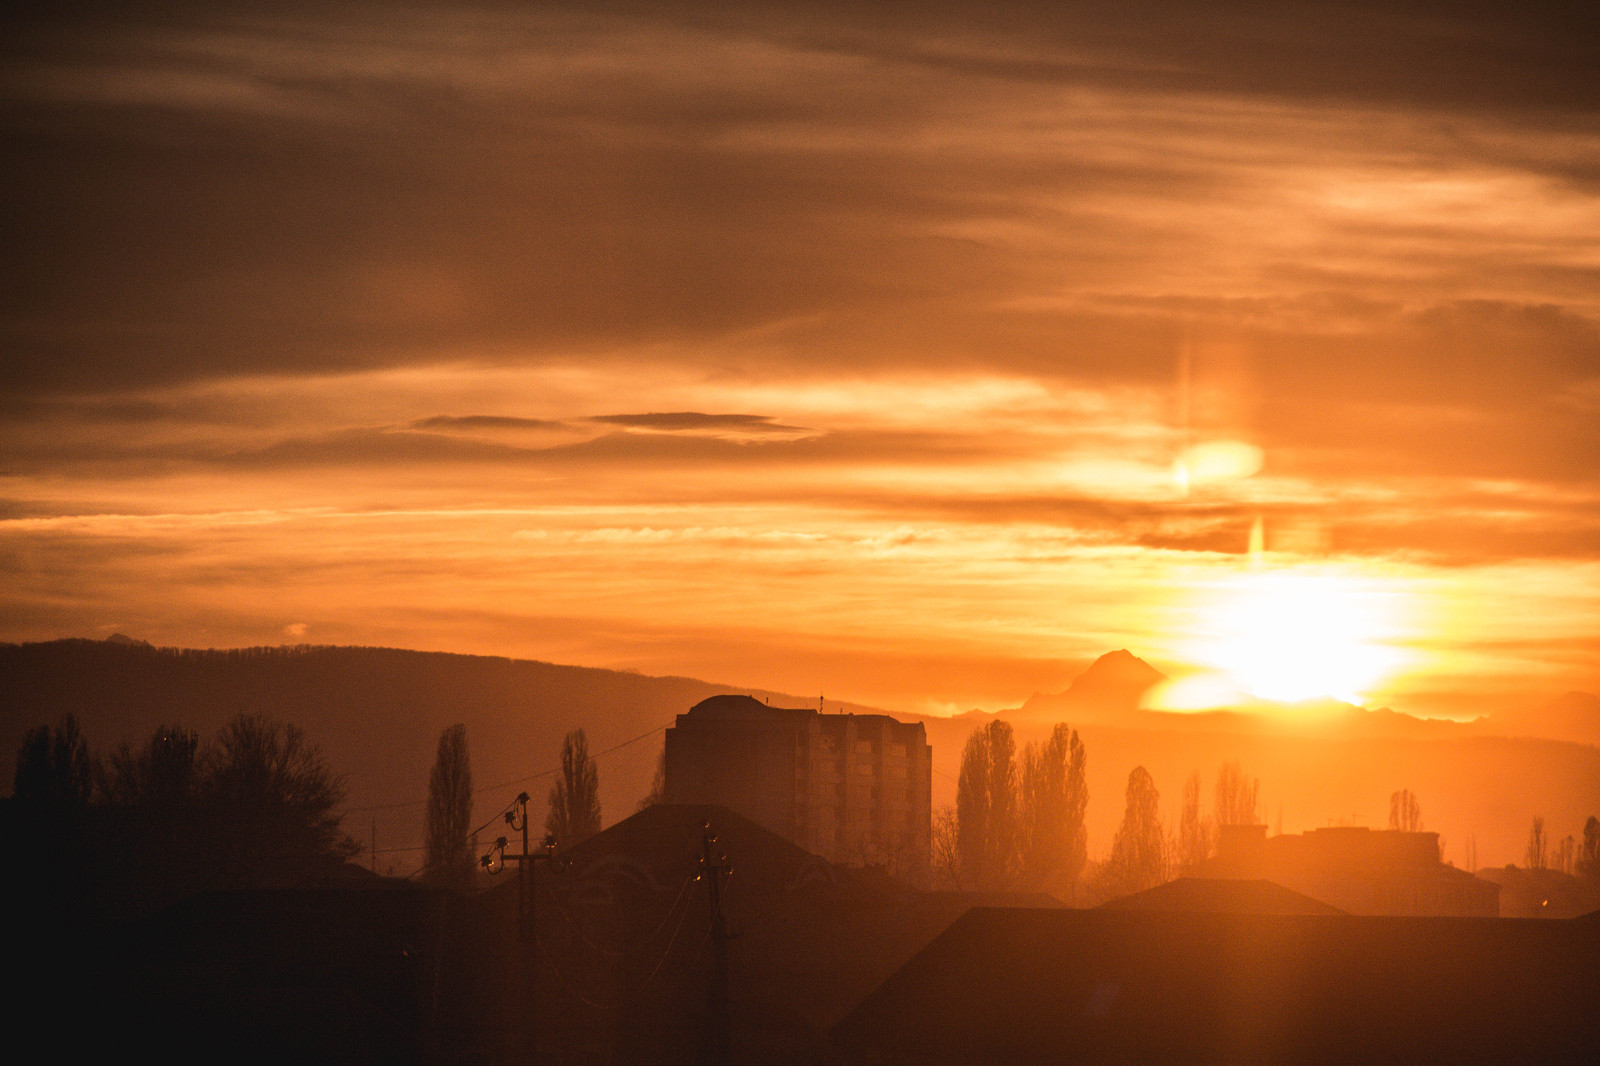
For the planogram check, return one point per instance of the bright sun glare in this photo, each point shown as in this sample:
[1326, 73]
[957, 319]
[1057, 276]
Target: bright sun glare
[1290, 635]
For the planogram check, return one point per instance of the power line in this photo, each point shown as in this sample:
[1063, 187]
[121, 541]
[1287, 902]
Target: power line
[497, 816]
[599, 755]
[504, 784]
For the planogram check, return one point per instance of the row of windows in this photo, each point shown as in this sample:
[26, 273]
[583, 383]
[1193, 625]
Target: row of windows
[826, 745]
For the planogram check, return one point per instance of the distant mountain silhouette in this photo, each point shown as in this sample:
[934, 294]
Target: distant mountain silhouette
[1112, 691]
[1319, 761]
[375, 712]
[1574, 716]
[1112, 685]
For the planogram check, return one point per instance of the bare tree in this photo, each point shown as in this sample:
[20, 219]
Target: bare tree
[1566, 854]
[946, 854]
[275, 796]
[1194, 833]
[163, 775]
[658, 784]
[1236, 796]
[449, 818]
[54, 771]
[1405, 814]
[1138, 853]
[1534, 857]
[575, 797]
[987, 807]
[1055, 793]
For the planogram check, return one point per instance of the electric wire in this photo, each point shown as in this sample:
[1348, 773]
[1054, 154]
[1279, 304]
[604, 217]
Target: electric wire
[572, 923]
[622, 995]
[505, 784]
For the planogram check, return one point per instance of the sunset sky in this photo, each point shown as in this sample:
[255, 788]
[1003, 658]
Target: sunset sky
[913, 357]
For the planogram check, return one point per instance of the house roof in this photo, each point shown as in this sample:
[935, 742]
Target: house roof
[661, 845]
[1216, 896]
[1123, 986]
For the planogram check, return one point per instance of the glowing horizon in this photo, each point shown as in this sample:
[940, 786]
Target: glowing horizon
[918, 361]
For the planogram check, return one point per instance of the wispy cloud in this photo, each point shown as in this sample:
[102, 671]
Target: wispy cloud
[857, 289]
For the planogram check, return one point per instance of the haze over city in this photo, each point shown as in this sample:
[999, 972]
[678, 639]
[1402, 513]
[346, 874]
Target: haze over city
[1091, 513]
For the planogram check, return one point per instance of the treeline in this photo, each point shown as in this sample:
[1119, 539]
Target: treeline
[1018, 822]
[1569, 855]
[253, 806]
[1015, 824]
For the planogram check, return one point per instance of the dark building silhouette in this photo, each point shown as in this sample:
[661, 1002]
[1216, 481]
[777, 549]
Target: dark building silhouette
[1526, 893]
[1140, 986]
[626, 960]
[1356, 869]
[852, 788]
[1198, 895]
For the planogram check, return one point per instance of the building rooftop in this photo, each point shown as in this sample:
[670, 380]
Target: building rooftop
[1120, 986]
[1197, 895]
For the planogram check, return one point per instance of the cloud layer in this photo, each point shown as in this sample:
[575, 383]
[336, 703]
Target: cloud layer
[958, 288]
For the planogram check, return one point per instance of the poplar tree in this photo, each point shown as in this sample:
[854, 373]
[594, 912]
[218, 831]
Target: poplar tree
[1405, 813]
[1138, 853]
[988, 808]
[1236, 796]
[1588, 863]
[1534, 857]
[449, 816]
[575, 797]
[1194, 833]
[1055, 794]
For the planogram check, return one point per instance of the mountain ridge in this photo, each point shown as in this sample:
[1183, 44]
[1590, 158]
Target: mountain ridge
[377, 713]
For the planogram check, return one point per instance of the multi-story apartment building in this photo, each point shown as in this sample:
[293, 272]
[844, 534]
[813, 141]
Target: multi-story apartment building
[853, 788]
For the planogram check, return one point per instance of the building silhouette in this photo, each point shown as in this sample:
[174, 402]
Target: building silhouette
[1106, 986]
[852, 788]
[1358, 870]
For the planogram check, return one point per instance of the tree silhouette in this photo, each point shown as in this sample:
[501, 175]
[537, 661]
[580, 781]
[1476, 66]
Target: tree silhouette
[1405, 814]
[1194, 833]
[275, 797]
[1138, 853]
[575, 797]
[1055, 794]
[1534, 857]
[164, 775]
[1236, 796]
[1588, 864]
[658, 784]
[946, 854]
[54, 773]
[1566, 853]
[449, 856]
[987, 807]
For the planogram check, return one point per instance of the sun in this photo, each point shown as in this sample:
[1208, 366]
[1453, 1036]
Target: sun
[1290, 635]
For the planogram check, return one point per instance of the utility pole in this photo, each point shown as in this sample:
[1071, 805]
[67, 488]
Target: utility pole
[717, 1048]
[526, 985]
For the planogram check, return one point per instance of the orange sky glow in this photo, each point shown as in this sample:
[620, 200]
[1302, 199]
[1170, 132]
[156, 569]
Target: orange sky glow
[912, 362]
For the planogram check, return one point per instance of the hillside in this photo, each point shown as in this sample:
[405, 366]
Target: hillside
[376, 713]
